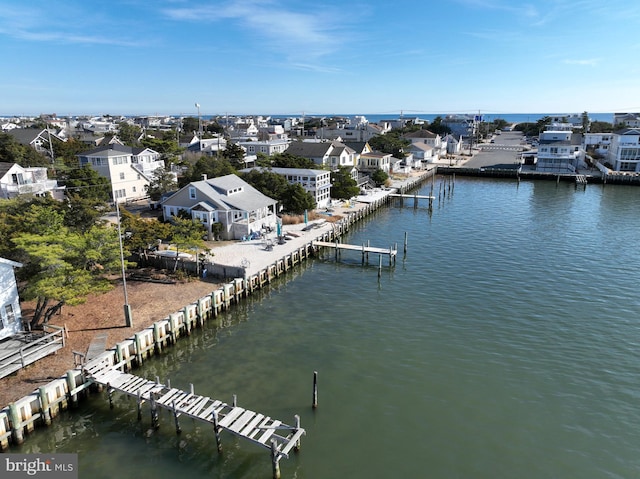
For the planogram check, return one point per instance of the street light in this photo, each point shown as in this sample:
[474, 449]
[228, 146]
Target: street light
[127, 309]
[199, 122]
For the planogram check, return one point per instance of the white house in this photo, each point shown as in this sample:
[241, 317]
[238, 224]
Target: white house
[229, 200]
[316, 182]
[267, 147]
[370, 162]
[16, 180]
[10, 314]
[559, 151]
[624, 152]
[426, 137]
[129, 170]
[598, 143]
[324, 153]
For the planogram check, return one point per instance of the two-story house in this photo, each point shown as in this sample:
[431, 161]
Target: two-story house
[16, 180]
[324, 153]
[624, 152]
[559, 151]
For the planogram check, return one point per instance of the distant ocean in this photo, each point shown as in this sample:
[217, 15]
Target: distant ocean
[488, 117]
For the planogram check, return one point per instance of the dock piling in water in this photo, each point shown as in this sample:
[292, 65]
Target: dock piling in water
[314, 403]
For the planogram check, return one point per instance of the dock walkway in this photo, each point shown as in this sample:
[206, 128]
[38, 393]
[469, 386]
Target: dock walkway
[262, 430]
[365, 250]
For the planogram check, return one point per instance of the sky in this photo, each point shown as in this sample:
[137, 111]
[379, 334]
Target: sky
[286, 57]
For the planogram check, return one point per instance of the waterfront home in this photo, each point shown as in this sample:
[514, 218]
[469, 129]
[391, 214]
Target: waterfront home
[596, 143]
[315, 182]
[228, 200]
[16, 180]
[128, 169]
[10, 314]
[559, 151]
[624, 152]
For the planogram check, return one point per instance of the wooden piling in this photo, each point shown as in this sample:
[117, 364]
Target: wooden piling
[16, 424]
[216, 430]
[175, 417]
[45, 413]
[314, 403]
[274, 460]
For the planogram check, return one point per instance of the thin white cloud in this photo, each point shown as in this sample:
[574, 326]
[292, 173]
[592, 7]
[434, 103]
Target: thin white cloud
[312, 33]
[591, 62]
[32, 24]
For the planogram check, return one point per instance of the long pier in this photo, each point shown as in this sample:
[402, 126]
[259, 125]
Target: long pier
[261, 430]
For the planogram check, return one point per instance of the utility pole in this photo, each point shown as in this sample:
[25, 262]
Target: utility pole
[127, 309]
[199, 122]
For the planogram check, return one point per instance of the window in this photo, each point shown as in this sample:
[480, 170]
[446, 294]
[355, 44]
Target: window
[133, 189]
[192, 193]
[11, 315]
[122, 175]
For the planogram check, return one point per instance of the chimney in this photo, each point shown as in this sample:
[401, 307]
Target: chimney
[204, 177]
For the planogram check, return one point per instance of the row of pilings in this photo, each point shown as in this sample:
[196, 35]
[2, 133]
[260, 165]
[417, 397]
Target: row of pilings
[39, 408]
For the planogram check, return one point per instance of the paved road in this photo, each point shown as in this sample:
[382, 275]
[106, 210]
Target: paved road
[505, 152]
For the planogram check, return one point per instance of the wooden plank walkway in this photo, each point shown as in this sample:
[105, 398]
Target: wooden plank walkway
[420, 197]
[262, 430]
[354, 247]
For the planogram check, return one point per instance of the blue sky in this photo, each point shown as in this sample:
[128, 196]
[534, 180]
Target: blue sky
[289, 57]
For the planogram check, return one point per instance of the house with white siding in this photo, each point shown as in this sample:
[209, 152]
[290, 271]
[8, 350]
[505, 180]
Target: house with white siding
[624, 152]
[10, 314]
[315, 182]
[228, 200]
[559, 151]
[16, 180]
[128, 169]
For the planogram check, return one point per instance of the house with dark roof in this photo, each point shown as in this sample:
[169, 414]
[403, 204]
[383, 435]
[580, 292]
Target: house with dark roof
[128, 169]
[324, 153]
[36, 138]
[228, 200]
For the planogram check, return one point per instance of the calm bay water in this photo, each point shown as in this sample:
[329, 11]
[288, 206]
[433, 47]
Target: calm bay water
[505, 344]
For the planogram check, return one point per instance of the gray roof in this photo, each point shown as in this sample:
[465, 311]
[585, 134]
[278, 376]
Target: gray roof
[4, 167]
[286, 171]
[420, 134]
[213, 192]
[309, 149]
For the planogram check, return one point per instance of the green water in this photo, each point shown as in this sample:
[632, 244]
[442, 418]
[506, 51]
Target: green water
[504, 345]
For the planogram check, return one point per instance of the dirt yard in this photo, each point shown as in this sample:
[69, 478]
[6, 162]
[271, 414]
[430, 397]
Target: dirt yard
[102, 314]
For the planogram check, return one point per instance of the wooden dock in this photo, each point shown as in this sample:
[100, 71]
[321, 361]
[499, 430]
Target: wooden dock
[264, 431]
[364, 249]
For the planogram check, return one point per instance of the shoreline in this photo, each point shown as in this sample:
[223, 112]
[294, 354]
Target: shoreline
[27, 407]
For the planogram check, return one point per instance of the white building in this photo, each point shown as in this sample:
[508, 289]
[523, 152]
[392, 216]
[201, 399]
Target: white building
[128, 169]
[10, 314]
[624, 152]
[559, 151]
[268, 147]
[316, 182]
[16, 180]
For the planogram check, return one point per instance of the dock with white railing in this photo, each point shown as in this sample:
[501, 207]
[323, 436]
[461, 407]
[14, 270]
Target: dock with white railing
[257, 428]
